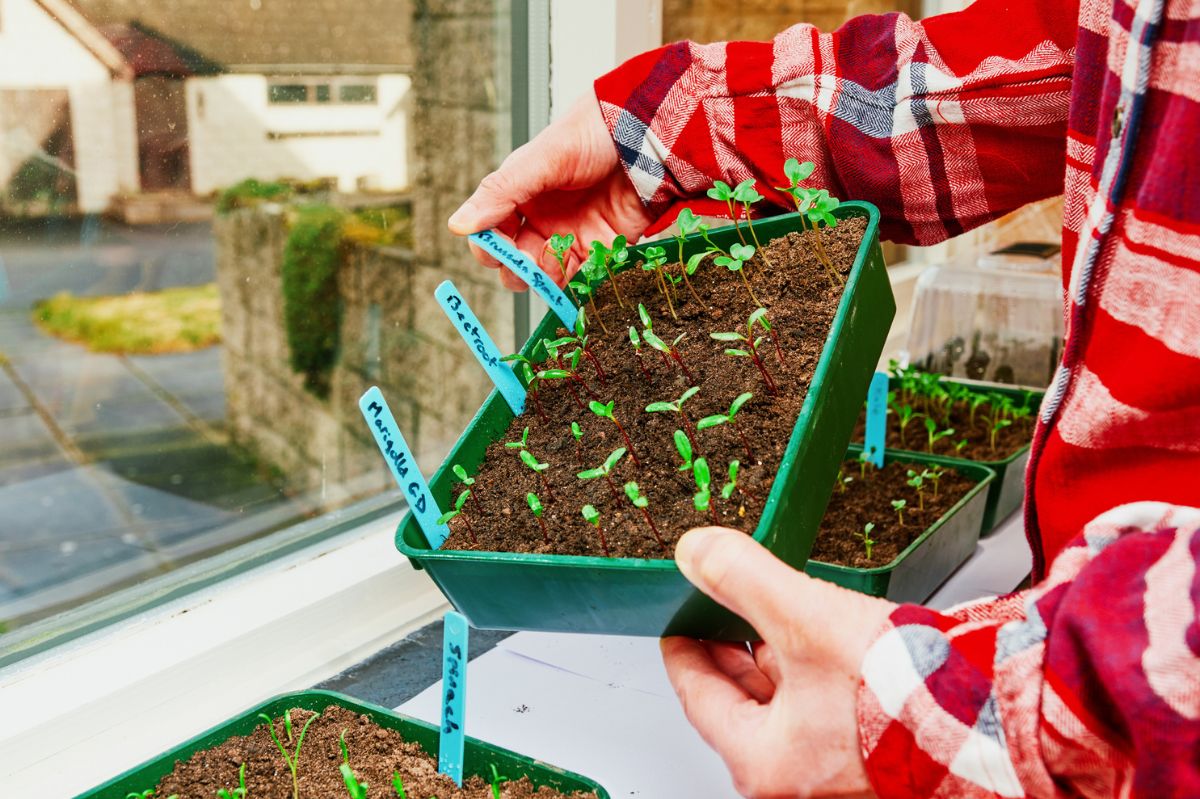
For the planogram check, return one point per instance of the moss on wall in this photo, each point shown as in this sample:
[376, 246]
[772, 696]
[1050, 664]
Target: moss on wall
[312, 307]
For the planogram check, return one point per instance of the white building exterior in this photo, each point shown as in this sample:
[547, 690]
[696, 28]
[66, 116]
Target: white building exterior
[236, 132]
[47, 45]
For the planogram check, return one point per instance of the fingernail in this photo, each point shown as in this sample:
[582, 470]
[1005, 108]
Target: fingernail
[692, 548]
[458, 219]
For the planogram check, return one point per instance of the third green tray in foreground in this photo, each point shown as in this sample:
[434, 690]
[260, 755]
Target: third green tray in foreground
[650, 597]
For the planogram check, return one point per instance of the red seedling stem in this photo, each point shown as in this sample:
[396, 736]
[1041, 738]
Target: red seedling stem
[575, 394]
[712, 509]
[603, 542]
[549, 490]
[579, 451]
[475, 499]
[628, 443]
[545, 532]
[587, 353]
[642, 366]
[537, 403]
[682, 365]
[745, 441]
[611, 487]
[653, 529]
[763, 370]
[775, 341]
[470, 530]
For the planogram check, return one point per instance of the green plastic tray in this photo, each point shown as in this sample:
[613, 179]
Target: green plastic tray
[1007, 492]
[478, 754]
[635, 596]
[914, 574]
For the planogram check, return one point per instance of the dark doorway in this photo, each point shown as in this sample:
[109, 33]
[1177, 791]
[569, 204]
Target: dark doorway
[162, 133]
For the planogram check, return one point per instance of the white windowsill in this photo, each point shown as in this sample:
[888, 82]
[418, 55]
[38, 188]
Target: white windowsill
[79, 714]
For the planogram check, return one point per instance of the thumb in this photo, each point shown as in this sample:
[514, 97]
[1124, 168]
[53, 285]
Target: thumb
[790, 610]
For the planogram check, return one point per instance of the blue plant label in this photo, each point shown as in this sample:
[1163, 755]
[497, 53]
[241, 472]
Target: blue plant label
[454, 696]
[523, 267]
[400, 460]
[486, 352]
[876, 438]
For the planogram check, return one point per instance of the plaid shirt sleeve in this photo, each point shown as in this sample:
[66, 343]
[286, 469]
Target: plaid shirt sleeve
[1087, 685]
[908, 115]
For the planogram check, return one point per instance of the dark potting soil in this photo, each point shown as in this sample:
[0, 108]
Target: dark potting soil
[801, 304]
[976, 432]
[375, 754]
[869, 499]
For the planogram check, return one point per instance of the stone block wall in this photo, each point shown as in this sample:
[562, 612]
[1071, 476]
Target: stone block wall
[393, 334]
[722, 20]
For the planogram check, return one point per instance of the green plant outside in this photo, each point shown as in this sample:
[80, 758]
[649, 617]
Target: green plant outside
[312, 307]
[252, 191]
[143, 323]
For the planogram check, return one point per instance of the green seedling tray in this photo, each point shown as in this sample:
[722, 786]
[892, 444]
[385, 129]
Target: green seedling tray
[1007, 492]
[650, 597]
[914, 574]
[478, 754]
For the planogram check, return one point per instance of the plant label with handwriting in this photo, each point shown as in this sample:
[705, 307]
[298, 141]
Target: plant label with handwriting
[454, 696]
[523, 267]
[876, 436]
[477, 338]
[403, 464]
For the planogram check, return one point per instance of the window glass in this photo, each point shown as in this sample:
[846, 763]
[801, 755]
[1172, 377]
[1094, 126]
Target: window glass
[356, 93]
[205, 259]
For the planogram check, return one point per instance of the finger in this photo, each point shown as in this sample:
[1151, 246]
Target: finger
[511, 281]
[736, 661]
[720, 709]
[508, 226]
[521, 176]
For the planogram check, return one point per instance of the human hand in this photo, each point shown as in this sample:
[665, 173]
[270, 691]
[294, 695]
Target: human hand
[566, 180]
[782, 715]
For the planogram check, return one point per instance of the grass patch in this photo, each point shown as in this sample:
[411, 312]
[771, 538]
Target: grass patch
[142, 323]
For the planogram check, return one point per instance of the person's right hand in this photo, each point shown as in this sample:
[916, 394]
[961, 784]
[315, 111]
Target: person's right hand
[566, 180]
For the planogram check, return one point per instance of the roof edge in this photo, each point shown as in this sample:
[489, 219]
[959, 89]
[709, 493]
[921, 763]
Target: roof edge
[89, 36]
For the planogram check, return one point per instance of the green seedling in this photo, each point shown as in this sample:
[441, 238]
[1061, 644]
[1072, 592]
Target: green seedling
[729, 418]
[683, 445]
[747, 195]
[238, 792]
[917, 482]
[147, 794]
[935, 475]
[735, 261]
[759, 317]
[636, 340]
[560, 246]
[458, 506]
[676, 406]
[535, 506]
[732, 484]
[520, 444]
[688, 224]
[958, 447]
[751, 353]
[605, 411]
[592, 517]
[670, 350]
[997, 426]
[577, 434]
[591, 272]
[539, 468]
[813, 207]
[292, 759]
[656, 259]
[905, 416]
[496, 780]
[357, 790]
[864, 460]
[533, 385]
[933, 435]
[723, 192]
[467, 481]
[640, 502]
[865, 535]
[605, 470]
[899, 505]
[605, 257]
[843, 481]
[583, 341]
[975, 402]
[702, 499]
[398, 785]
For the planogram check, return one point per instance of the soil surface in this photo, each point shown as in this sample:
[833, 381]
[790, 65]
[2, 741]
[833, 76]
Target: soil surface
[801, 304]
[869, 499]
[375, 754]
[976, 431]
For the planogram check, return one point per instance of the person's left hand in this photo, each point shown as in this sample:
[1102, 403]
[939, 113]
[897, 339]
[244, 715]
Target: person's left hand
[782, 714]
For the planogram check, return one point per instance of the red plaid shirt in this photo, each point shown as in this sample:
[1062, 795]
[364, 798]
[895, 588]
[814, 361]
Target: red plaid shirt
[1089, 684]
